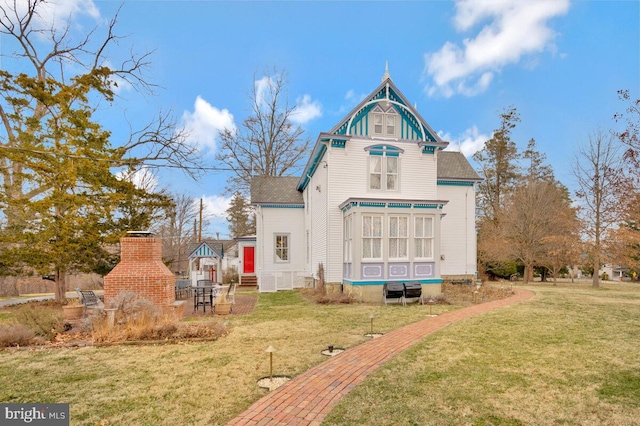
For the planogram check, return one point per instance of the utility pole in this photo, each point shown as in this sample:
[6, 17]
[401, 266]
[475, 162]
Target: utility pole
[200, 224]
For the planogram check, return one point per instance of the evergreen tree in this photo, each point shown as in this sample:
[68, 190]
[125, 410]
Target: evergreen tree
[240, 216]
[498, 166]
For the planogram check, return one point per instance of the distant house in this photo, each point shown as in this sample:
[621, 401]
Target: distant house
[209, 259]
[378, 201]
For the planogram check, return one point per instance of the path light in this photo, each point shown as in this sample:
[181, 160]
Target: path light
[371, 317]
[270, 350]
[430, 302]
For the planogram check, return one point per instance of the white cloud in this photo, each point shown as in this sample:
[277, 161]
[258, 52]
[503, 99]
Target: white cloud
[205, 123]
[353, 99]
[469, 142]
[215, 213]
[55, 14]
[262, 89]
[142, 178]
[515, 28]
[306, 110]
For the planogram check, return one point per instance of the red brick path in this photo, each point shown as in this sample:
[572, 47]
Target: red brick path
[309, 397]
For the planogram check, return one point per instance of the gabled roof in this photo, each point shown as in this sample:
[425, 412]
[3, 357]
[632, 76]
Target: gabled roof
[454, 166]
[212, 248]
[389, 97]
[275, 190]
[388, 94]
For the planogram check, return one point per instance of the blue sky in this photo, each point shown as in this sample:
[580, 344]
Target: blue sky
[559, 63]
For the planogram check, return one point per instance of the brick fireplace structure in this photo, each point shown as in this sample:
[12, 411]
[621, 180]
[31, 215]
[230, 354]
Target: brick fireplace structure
[141, 271]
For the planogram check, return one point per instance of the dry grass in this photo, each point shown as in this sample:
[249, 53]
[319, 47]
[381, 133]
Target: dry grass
[193, 383]
[570, 356]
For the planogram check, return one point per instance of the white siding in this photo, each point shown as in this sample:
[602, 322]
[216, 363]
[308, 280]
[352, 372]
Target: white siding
[350, 170]
[348, 178]
[272, 221]
[458, 242]
[315, 196]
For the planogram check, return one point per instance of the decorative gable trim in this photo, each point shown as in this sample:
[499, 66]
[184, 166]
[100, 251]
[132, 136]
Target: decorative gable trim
[204, 250]
[352, 203]
[388, 150]
[429, 147]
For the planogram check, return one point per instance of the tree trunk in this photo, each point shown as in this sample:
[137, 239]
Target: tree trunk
[61, 285]
[596, 271]
[527, 273]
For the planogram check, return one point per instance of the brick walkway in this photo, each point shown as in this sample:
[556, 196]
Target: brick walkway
[309, 397]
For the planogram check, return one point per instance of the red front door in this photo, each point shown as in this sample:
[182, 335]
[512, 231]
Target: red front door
[248, 260]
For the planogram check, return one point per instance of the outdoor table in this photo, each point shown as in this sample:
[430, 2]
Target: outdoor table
[200, 295]
[201, 292]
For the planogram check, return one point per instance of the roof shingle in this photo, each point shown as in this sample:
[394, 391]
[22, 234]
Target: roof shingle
[275, 190]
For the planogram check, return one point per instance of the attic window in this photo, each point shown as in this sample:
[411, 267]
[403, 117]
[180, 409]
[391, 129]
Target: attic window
[384, 122]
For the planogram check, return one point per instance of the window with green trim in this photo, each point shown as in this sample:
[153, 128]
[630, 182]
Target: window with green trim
[384, 172]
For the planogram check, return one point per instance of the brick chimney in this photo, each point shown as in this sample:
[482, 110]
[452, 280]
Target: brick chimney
[141, 271]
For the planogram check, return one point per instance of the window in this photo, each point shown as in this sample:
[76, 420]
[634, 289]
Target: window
[391, 125]
[375, 172]
[377, 123]
[371, 237]
[348, 239]
[383, 172]
[423, 237]
[282, 247]
[398, 237]
[384, 123]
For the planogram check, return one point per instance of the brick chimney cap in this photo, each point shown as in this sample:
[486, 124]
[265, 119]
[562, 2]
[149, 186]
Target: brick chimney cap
[140, 234]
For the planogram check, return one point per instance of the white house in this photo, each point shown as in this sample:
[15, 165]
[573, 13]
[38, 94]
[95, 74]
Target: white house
[378, 201]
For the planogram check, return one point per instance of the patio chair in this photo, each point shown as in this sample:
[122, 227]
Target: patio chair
[183, 289]
[203, 295]
[89, 300]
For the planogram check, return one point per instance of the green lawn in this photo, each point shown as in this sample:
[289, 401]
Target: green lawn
[567, 356]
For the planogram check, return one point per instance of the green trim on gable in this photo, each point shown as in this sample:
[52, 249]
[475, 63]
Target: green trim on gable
[454, 183]
[282, 206]
[315, 161]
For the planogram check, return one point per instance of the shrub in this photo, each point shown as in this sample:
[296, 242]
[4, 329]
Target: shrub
[230, 275]
[43, 322]
[133, 309]
[138, 319]
[15, 335]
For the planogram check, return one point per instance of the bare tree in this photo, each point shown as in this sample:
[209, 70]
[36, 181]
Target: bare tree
[628, 234]
[269, 143]
[598, 172]
[176, 230]
[59, 70]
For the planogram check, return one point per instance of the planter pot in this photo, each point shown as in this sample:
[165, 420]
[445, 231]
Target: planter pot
[223, 308]
[72, 312]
